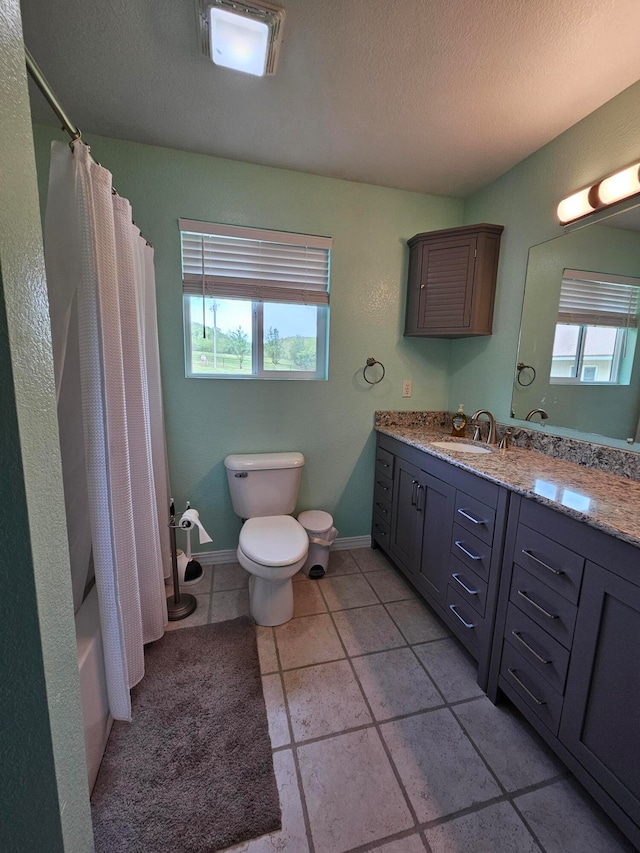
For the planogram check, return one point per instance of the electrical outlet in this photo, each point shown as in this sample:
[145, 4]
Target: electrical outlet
[407, 387]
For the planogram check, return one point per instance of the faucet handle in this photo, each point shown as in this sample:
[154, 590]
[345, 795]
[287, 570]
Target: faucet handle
[505, 440]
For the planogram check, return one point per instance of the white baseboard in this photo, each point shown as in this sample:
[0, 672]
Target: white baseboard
[347, 543]
[218, 558]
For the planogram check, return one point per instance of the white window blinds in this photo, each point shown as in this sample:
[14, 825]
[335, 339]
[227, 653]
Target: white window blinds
[598, 299]
[229, 261]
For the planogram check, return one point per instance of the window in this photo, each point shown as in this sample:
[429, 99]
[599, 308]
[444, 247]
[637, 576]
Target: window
[256, 303]
[596, 330]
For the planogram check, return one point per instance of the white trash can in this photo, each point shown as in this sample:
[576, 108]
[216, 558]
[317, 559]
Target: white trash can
[321, 533]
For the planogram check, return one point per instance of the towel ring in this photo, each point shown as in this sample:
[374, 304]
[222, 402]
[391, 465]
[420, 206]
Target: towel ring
[520, 366]
[370, 362]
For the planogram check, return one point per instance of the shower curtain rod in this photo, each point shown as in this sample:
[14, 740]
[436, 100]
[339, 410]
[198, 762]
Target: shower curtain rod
[41, 82]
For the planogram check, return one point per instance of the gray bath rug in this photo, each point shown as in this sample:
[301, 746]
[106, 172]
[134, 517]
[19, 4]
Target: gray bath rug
[193, 772]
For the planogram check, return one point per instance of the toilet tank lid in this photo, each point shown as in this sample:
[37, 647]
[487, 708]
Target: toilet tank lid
[263, 461]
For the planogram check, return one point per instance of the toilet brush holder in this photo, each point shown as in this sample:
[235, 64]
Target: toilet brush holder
[192, 571]
[179, 605]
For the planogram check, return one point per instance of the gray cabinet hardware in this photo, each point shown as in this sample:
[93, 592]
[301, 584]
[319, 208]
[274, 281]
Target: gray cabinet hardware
[518, 637]
[541, 562]
[512, 673]
[528, 598]
[458, 544]
[470, 517]
[466, 624]
[456, 578]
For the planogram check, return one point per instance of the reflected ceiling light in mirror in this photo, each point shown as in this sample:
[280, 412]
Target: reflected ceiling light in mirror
[609, 190]
[242, 36]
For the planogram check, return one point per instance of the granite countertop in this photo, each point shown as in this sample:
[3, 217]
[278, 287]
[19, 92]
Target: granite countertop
[605, 501]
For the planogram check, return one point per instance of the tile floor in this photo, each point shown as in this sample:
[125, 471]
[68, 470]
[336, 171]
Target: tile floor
[382, 739]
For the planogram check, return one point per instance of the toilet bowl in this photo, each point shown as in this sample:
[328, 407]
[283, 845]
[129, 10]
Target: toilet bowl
[272, 549]
[272, 545]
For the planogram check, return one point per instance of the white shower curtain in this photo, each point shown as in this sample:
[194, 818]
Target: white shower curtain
[100, 276]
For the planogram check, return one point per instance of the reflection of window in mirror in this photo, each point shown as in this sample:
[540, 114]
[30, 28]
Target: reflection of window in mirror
[596, 329]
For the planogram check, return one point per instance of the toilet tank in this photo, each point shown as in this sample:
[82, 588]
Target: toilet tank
[264, 483]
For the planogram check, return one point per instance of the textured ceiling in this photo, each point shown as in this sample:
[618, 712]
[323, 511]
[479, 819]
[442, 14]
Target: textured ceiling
[438, 96]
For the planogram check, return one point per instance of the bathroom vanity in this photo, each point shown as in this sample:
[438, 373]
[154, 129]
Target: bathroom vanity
[443, 527]
[534, 564]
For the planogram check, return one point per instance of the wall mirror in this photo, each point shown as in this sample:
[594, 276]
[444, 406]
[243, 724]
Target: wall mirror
[578, 356]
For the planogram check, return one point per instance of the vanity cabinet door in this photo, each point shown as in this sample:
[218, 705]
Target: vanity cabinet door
[600, 718]
[436, 505]
[407, 519]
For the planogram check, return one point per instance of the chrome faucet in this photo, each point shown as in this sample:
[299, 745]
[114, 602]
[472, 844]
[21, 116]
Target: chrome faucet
[541, 412]
[491, 435]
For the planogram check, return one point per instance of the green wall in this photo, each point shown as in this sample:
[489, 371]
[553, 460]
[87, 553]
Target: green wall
[330, 422]
[44, 804]
[524, 200]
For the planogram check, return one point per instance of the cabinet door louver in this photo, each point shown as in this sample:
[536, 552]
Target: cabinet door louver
[445, 299]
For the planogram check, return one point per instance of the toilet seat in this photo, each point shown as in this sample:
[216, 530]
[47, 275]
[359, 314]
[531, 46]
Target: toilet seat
[273, 540]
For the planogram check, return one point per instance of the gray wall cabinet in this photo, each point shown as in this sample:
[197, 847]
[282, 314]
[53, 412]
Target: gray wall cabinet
[547, 605]
[452, 280]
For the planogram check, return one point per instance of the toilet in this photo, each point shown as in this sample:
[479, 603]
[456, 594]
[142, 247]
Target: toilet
[273, 546]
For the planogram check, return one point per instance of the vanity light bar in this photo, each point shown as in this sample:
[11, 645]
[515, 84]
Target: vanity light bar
[610, 190]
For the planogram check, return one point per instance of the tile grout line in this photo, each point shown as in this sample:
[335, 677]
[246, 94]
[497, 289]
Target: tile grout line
[294, 749]
[376, 726]
[505, 795]
[418, 828]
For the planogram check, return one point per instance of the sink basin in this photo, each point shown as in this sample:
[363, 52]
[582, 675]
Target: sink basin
[461, 447]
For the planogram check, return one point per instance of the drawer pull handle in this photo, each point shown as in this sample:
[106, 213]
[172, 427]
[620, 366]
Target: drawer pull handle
[381, 529]
[419, 502]
[518, 637]
[467, 515]
[382, 486]
[414, 484]
[537, 606]
[466, 624]
[456, 578]
[381, 508]
[458, 544]
[384, 464]
[541, 562]
[512, 673]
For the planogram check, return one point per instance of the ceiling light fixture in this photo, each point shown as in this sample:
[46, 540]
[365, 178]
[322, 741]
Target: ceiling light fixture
[242, 36]
[606, 192]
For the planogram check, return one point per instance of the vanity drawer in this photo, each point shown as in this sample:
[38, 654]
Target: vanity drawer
[544, 654]
[554, 564]
[534, 691]
[382, 504]
[384, 462]
[380, 530]
[471, 551]
[544, 605]
[383, 486]
[465, 622]
[476, 517]
[469, 585]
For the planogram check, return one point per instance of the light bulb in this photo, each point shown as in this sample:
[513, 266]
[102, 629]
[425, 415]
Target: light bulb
[619, 186]
[575, 206]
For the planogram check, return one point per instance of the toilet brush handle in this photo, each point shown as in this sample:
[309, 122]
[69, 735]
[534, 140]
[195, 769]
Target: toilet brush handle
[174, 564]
[188, 544]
